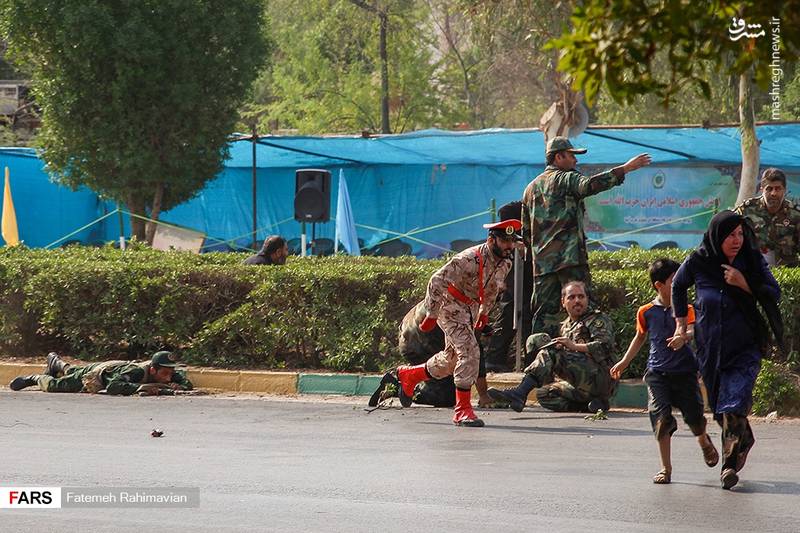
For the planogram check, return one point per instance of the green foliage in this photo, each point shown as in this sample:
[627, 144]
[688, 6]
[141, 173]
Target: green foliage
[777, 389]
[339, 313]
[137, 97]
[326, 72]
[615, 44]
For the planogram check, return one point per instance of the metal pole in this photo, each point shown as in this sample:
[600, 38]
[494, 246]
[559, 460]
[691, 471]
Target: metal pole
[519, 265]
[302, 239]
[255, 208]
[121, 229]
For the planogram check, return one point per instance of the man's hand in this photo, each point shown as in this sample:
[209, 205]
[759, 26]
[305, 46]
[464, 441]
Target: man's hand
[618, 369]
[566, 343]
[636, 163]
[734, 277]
[148, 389]
[427, 324]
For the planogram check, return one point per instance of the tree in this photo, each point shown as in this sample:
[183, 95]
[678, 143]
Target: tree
[614, 44]
[325, 74]
[137, 97]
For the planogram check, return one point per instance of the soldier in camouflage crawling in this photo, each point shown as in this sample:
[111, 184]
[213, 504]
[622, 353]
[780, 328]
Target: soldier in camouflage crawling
[552, 225]
[582, 357]
[459, 297]
[776, 221]
[151, 378]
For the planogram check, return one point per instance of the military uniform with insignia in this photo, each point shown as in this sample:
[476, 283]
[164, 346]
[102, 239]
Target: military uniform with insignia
[459, 297]
[778, 233]
[553, 226]
[114, 377]
[564, 380]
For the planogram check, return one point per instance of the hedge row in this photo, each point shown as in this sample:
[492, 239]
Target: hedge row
[340, 313]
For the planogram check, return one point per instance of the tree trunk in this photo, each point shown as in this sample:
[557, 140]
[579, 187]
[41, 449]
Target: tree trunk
[750, 146]
[155, 211]
[383, 17]
[136, 207]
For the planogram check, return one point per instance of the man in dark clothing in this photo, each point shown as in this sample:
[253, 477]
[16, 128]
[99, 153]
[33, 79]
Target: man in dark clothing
[497, 351]
[273, 252]
[151, 378]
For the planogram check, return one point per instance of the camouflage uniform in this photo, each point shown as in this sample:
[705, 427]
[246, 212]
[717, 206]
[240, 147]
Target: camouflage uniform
[552, 224]
[585, 376]
[779, 233]
[116, 377]
[461, 355]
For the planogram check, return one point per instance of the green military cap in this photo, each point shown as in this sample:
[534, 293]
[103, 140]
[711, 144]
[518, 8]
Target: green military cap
[561, 144]
[164, 358]
[535, 342]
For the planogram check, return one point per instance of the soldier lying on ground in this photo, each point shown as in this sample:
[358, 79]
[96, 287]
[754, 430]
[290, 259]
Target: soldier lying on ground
[582, 357]
[151, 378]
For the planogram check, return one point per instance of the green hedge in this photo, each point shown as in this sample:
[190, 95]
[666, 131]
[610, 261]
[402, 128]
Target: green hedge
[339, 313]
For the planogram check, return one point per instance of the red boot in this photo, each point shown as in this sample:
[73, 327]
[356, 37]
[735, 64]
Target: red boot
[409, 376]
[464, 415]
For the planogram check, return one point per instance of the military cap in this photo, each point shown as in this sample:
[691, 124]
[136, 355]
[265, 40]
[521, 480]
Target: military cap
[562, 144]
[164, 358]
[506, 229]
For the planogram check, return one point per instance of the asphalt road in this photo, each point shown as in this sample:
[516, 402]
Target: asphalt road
[267, 464]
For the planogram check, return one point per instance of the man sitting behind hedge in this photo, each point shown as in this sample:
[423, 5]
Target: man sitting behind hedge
[151, 378]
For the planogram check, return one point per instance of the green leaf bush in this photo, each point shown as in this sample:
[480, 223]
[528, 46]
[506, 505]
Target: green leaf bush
[339, 313]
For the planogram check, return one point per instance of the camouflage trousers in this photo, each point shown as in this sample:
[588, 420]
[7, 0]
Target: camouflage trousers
[461, 355]
[582, 378]
[72, 381]
[546, 299]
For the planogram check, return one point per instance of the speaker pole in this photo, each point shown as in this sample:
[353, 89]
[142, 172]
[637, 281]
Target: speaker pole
[313, 236]
[255, 209]
[302, 239]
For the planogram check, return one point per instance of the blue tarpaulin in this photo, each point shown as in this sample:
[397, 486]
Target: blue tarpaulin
[405, 184]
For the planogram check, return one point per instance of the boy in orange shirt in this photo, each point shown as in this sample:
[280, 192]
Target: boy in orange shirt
[671, 374]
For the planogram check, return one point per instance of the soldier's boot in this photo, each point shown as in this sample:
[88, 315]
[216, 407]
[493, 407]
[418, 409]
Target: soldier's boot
[381, 393]
[517, 396]
[463, 414]
[599, 404]
[55, 366]
[22, 382]
[409, 376]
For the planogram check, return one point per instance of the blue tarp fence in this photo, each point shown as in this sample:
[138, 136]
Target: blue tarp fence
[414, 185]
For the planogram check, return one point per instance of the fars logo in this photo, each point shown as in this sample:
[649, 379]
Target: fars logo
[30, 497]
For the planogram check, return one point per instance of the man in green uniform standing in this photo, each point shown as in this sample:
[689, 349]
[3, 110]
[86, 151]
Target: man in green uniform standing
[552, 225]
[775, 220]
[154, 377]
[582, 357]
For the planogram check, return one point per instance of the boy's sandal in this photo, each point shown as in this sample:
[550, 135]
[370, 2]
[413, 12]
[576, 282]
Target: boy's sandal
[663, 477]
[710, 454]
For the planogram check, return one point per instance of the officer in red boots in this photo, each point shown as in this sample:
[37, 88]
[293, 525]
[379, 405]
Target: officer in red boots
[459, 298]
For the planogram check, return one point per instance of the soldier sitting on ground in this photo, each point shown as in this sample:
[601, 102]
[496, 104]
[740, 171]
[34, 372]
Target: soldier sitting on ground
[582, 357]
[151, 378]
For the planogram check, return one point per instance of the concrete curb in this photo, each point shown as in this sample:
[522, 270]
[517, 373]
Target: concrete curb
[630, 393]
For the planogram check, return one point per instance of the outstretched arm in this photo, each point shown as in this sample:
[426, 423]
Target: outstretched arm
[633, 349]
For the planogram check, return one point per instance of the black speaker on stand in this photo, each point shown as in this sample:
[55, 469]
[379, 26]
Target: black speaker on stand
[312, 197]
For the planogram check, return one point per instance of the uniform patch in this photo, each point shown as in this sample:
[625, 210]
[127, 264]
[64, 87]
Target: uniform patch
[598, 323]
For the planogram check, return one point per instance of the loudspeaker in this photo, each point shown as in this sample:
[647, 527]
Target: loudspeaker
[312, 195]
